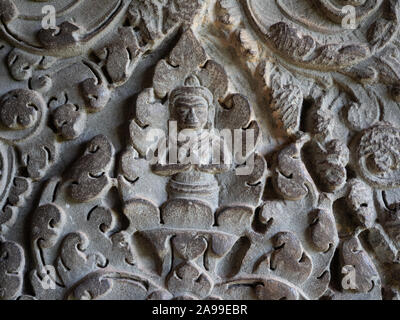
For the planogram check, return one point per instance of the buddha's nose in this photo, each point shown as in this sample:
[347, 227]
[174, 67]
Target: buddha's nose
[191, 117]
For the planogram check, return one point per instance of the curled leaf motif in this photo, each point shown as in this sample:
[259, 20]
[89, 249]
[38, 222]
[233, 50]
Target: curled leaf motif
[155, 18]
[94, 286]
[7, 186]
[304, 49]
[214, 77]
[38, 158]
[189, 279]
[289, 258]
[8, 11]
[102, 218]
[378, 151]
[118, 56]
[47, 223]
[382, 245]
[274, 290]
[66, 37]
[264, 289]
[41, 83]
[89, 174]
[73, 249]
[21, 64]
[321, 121]
[291, 179]
[20, 109]
[396, 93]
[69, 121]
[360, 202]
[122, 247]
[103, 284]
[96, 95]
[77, 256]
[286, 39]
[189, 246]
[323, 230]
[391, 222]
[384, 29]
[352, 254]
[380, 31]
[286, 103]
[361, 116]
[12, 262]
[21, 187]
[181, 62]
[330, 164]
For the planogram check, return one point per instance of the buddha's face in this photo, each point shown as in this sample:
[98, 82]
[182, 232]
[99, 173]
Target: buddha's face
[192, 116]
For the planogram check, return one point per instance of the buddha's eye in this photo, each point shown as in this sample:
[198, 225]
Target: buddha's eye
[201, 112]
[181, 111]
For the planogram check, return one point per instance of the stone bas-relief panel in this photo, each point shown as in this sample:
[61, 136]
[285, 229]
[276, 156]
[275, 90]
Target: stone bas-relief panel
[95, 206]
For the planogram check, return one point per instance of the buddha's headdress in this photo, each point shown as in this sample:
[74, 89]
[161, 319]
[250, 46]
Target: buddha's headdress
[192, 93]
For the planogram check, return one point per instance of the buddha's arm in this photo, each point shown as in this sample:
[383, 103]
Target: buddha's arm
[220, 161]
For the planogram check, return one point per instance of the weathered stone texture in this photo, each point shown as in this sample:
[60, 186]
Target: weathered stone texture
[86, 214]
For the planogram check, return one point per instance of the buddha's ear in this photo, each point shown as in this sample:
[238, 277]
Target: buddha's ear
[171, 111]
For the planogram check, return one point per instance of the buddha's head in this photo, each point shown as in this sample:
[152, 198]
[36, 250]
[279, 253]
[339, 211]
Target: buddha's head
[190, 106]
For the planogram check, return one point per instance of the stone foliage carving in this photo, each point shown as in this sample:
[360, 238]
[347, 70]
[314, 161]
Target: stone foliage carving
[91, 205]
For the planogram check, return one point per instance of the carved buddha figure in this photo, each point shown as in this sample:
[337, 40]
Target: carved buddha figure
[199, 152]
